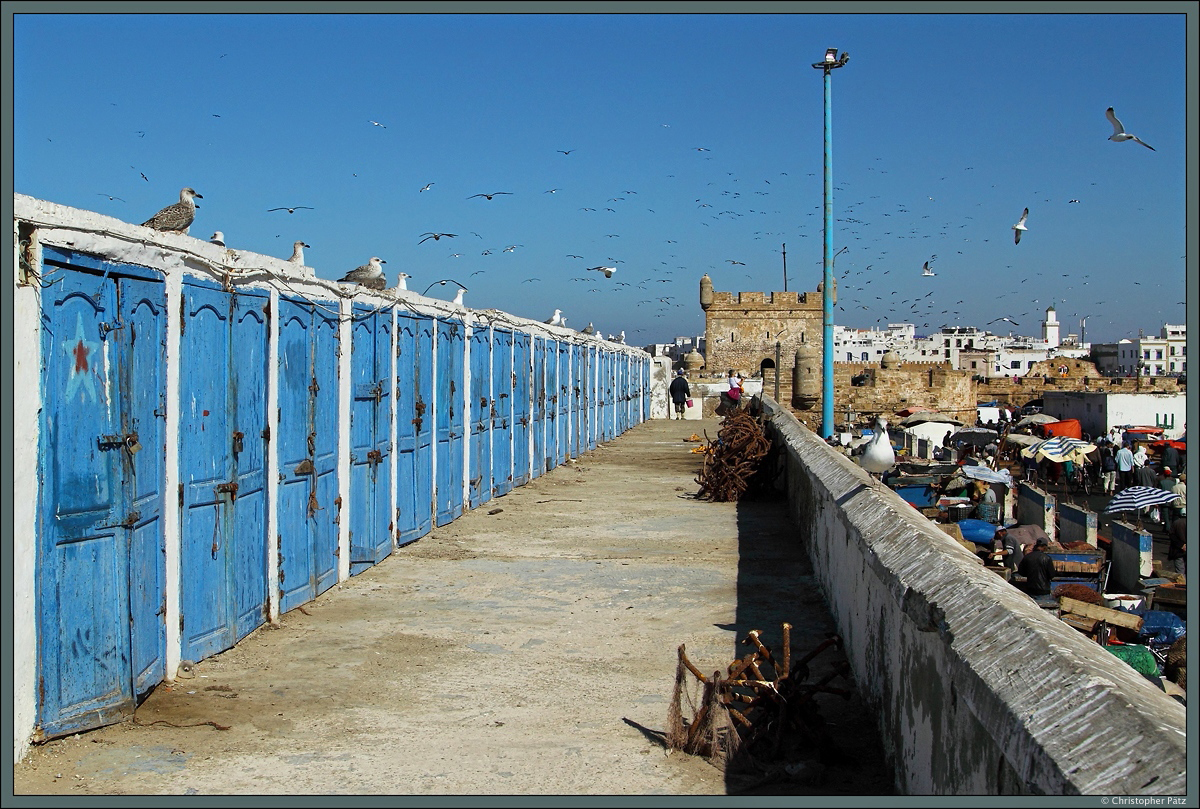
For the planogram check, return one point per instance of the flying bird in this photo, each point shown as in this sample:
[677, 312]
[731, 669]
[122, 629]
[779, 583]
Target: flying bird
[1119, 134]
[291, 210]
[552, 191]
[731, 261]
[218, 238]
[568, 151]
[298, 252]
[1020, 227]
[928, 271]
[489, 196]
[1009, 319]
[110, 197]
[436, 236]
[608, 271]
[427, 187]
[176, 218]
[376, 123]
[369, 275]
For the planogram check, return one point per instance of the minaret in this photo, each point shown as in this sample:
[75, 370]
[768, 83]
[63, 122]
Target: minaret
[1050, 328]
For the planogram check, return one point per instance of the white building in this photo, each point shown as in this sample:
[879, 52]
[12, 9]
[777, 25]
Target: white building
[1100, 411]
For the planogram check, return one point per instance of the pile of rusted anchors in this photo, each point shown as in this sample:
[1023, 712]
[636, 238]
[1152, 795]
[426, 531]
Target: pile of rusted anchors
[764, 695]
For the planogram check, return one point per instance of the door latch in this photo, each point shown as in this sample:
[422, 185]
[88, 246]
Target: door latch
[374, 456]
[237, 440]
[230, 488]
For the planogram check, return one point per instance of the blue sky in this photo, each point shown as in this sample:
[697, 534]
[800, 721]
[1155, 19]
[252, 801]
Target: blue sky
[945, 126]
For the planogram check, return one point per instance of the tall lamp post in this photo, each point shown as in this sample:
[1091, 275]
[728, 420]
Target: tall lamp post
[831, 61]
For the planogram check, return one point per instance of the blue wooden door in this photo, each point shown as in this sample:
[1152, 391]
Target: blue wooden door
[522, 414]
[100, 565]
[370, 437]
[450, 421]
[562, 404]
[591, 397]
[307, 447]
[550, 459]
[223, 429]
[578, 399]
[538, 407]
[502, 412]
[609, 396]
[414, 427]
[480, 403]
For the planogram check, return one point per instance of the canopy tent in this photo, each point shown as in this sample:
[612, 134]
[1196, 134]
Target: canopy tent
[1036, 418]
[922, 417]
[976, 436]
[1060, 448]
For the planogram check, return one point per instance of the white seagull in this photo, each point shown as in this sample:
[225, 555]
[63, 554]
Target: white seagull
[218, 238]
[1019, 228]
[608, 271]
[1119, 134]
[298, 252]
[458, 299]
[369, 275]
[928, 271]
[878, 457]
[402, 281]
[555, 319]
[1009, 319]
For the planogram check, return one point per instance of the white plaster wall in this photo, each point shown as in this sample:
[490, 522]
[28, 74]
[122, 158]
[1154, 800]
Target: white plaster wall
[26, 404]
[979, 692]
[1100, 411]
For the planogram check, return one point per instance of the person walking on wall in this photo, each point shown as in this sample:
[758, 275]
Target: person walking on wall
[679, 393]
[1108, 469]
[733, 396]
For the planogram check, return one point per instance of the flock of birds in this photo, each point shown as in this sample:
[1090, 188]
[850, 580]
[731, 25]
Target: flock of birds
[179, 216]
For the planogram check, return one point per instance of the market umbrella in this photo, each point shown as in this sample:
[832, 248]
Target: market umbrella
[975, 436]
[1022, 439]
[1060, 448]
[1036, 418]
[1136, 498]
[921, 418]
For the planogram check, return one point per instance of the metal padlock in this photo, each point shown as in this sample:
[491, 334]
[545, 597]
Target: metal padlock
[132, 444]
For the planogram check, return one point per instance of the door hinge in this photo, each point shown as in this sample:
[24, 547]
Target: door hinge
[181, 495]
[266, 433]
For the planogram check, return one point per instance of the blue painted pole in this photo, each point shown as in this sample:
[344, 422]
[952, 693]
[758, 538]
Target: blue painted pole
[827, 286]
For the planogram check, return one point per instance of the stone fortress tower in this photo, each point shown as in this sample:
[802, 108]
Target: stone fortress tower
[741, 331]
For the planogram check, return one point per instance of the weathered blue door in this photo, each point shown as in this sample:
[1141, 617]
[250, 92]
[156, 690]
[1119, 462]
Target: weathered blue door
[550, 459]
[538, 406]
[502, 412]
[480, 403]
[450, 421]
[100, 564]
[563, 404]
[593, 396]
[414, 427]
[370, 437]
[610, 404]
[577, 352]
[223, 431]
[307, 447]
[522, 397]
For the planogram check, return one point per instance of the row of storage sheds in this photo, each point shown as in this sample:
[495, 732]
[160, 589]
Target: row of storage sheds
[211, 440]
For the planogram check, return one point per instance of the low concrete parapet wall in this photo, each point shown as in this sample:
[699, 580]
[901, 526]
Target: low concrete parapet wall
[977, 690]
[1132, 557]
[1036, 507]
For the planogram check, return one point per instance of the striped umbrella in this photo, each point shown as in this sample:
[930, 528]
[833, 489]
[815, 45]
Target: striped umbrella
[1136, 498]
[1059, 448]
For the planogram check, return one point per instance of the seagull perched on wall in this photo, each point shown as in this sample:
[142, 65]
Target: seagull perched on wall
[369, 275]
[588, 329]
[298, 252]
[555, 319]
[458, 299]
[176, 218]
[1119, 134]
[1020, 228]
[878, 457]
[218, 239]
[402, 281]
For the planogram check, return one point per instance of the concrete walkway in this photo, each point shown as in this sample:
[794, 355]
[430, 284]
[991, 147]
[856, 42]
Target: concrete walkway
[528, 648]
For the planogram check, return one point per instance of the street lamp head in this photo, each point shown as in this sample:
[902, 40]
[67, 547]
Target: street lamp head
[832, 60]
